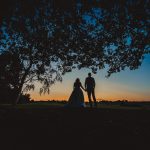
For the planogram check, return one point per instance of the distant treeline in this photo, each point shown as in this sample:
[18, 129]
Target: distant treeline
[105, 102]
[126, 103]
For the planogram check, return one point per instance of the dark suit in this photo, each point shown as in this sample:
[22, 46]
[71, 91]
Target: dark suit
[90, 87]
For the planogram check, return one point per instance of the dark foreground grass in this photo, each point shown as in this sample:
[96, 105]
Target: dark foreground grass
[45, 126]
[57, 104]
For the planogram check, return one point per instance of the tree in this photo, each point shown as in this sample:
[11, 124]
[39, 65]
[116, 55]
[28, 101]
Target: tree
[38, 56]
[9, 80]
[119, 32]
[50, 38]
[21, 68]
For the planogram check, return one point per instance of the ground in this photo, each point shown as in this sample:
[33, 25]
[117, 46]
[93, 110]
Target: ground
[45, 126]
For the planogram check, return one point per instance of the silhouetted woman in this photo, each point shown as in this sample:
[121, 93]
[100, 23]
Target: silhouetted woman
[76, 98]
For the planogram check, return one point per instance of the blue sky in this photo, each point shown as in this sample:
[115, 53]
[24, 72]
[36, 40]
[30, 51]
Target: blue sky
[132, 85]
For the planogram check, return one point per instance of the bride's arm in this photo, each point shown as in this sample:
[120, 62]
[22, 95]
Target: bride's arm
[82, 87]
[73, 86]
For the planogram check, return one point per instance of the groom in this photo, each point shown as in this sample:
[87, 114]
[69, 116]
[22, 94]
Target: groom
[90, 88]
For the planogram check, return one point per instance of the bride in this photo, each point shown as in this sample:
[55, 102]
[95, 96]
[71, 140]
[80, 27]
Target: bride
[76, 98]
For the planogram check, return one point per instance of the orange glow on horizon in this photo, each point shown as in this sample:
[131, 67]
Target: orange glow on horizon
[60, 97]
[123, 86]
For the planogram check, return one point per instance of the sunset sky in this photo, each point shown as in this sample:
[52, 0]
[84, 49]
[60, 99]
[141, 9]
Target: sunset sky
[130, 85]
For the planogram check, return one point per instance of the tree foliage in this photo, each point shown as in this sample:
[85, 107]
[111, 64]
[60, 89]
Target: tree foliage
[122, 30]
[51, 37]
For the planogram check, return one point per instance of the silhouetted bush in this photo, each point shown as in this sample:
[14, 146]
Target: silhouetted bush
[24, 98]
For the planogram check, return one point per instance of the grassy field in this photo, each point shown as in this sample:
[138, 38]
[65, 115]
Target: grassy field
[51, 126]
[60, 104]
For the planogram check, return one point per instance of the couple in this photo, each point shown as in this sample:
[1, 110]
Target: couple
[76, 98]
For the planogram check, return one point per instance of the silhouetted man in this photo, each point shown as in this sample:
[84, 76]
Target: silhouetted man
[90, 88]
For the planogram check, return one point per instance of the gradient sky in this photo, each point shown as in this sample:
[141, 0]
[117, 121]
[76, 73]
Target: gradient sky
[133, 85]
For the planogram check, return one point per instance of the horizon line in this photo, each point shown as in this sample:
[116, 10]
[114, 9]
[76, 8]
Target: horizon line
[98, 100]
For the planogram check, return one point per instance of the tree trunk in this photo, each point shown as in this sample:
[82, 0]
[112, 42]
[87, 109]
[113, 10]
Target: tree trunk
[21, 85]
[17, 96]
